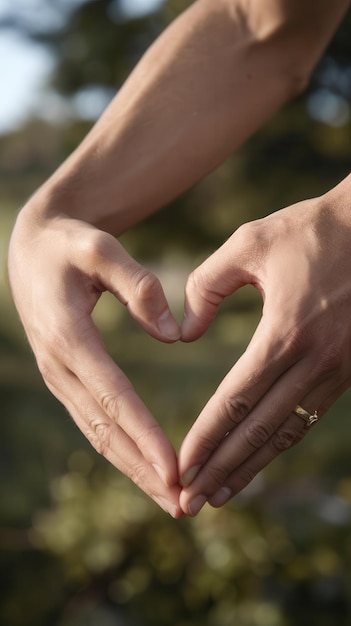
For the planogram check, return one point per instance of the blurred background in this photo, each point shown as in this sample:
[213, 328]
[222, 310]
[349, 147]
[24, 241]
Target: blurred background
[79, 544]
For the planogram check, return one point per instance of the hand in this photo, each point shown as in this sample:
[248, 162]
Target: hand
[58, 269]
[299, 260]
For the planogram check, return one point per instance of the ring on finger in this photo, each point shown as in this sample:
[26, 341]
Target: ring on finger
[309, 418]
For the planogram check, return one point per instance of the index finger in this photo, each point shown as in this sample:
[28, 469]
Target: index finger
[109, 439]
[238, 393]
[84, 354]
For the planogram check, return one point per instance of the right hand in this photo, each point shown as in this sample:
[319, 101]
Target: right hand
[300, 354]
[58, 268]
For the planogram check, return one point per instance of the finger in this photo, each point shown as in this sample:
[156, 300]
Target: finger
[83, 353]
[241, 389]
[270, 429]
[251, 432]
[290, 434]
[109, 439]
[131, 283]
[225, 271]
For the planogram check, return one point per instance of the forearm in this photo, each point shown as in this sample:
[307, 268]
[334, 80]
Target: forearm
[213, 77]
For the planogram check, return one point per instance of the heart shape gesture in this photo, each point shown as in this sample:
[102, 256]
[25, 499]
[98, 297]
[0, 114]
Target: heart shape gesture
[217, 73]
[299, 359]
[300, 353]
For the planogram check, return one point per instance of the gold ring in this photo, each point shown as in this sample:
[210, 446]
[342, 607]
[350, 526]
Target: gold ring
[305, 415]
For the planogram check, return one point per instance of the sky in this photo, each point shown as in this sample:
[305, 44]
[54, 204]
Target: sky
[23, 70]
[25, 66]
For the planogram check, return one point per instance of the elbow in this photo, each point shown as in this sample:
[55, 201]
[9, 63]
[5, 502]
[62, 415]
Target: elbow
[297, 80]
[286, 44]
[293, 68]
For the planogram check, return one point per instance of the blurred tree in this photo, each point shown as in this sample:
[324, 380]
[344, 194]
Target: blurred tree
[303, 150]
[79, 545]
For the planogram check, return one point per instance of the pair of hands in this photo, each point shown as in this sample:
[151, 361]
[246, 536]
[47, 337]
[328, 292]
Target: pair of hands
[298, 259]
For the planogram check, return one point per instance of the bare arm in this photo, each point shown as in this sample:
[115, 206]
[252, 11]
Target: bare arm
[300, 354]
[209, 81]
[212, 78]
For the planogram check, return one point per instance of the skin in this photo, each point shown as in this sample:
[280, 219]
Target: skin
[299, 354]
[213, 77]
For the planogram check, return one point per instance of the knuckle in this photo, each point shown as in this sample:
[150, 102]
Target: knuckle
[46, 369]
[296, 341]
[283, 440]
[146, 435]
[110, 403]
[331, 361]
[95, 246]
[99, 436]
[49, 371]
[200, 284]
[206, 443]
[56, 342]
[234, 410]
[248, 232]
[253, 236]
[113, 403]
[217, 474]
[138, 474]
[244, 476]
[257, 433]
[55, 339]
[326, 361]
[146, 286]
[195, 282]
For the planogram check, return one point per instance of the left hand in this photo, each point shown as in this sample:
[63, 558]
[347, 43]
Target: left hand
[58, 269]
[299, 260]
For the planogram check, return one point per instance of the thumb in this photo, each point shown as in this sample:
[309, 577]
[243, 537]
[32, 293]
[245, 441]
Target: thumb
[225, 271]
[133, 285]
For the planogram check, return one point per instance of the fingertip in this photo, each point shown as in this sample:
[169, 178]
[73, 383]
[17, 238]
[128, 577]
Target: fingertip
[168, 326]
[168, 477]
[221, 497]
[178, 513]
[174, 510]
[186, 331]
[191, 328]
[192, 504]
[164, 462]
[169, 501]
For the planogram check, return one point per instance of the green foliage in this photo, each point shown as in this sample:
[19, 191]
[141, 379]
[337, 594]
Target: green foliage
[80, 545]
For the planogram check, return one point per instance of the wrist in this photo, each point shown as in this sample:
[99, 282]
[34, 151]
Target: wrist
[72, 191]
[75, 193]
[339, 197]
[332, 219]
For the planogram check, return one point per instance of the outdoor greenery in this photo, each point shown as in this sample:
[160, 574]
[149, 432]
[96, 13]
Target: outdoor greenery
[80, 545]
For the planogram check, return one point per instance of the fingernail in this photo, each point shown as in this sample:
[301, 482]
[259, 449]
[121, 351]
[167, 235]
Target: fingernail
[168, 327]
[221, 496]
[189, 475]
[196, 505]
[160, 472]
[167, 506]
